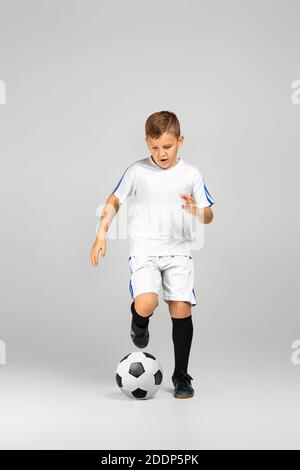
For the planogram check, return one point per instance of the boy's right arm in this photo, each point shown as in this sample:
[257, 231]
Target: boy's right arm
[111, 208]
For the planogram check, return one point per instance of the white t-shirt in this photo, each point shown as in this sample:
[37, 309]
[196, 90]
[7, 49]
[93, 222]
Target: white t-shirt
[158, 225]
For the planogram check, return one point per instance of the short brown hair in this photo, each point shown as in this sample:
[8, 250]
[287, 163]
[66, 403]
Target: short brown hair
[160, 122]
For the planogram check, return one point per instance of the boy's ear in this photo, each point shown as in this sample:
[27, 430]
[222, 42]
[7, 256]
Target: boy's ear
[180, 140]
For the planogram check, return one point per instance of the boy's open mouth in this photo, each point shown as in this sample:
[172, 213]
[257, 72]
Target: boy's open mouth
[164, 160]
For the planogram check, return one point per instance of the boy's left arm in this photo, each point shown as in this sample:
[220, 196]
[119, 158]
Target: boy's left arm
[200, 200]
[208, 215]
[205, 215]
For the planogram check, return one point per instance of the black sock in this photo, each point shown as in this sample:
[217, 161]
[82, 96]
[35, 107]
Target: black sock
[182, 338]
[140, 321]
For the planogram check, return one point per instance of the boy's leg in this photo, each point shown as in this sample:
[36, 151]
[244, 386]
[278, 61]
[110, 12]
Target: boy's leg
[145, 280]
[143, 307]
[182, 338]
[178, 287]
[182, 333]
[145, 303]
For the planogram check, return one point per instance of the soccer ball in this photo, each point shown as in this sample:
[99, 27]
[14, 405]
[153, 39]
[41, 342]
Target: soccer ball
[139, 375]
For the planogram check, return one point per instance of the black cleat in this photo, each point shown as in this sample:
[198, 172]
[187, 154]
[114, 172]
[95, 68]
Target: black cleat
[182, 384]
[140, 336]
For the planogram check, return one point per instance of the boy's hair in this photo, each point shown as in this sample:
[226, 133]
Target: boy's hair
[160, 122]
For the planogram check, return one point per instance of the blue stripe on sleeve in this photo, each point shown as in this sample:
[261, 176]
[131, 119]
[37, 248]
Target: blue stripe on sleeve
[209, 198]
[120, 180]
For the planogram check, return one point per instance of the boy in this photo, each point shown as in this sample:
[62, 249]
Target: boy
[161, 182]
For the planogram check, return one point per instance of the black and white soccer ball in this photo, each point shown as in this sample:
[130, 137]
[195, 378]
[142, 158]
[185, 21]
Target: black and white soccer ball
[139, 375]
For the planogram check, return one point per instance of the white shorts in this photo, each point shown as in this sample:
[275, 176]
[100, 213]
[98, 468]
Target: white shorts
[174, 272]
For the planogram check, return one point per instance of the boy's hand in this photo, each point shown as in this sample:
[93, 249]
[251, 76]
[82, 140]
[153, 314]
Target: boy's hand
[98, 246]
[190, 204]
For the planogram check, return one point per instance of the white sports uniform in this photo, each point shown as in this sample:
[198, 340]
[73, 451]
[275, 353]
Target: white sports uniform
[160, 229]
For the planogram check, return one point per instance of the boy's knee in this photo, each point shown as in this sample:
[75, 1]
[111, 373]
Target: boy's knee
[180, 309]
[145, 304]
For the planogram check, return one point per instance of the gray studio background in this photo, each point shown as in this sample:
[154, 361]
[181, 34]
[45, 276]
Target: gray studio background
[81, 78]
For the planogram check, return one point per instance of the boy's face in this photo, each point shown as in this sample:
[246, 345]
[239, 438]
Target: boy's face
[164, 149]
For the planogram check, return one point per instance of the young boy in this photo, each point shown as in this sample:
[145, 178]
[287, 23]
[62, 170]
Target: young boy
[161, 183]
